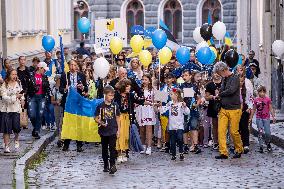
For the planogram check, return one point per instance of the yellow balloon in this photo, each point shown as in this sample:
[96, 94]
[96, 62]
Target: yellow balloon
[147, 43]
[115, 45]
[214, 50]
[145, 57]
[165, 55]
[136, 43]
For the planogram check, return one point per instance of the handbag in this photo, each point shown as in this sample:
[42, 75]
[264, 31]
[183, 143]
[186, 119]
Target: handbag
[24, 119]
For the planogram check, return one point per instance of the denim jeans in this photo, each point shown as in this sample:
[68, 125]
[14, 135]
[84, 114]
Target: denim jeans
[49, 114]
[176, 137]
[36, 108]
[263, 126]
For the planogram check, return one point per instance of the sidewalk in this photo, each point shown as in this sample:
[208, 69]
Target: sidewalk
[7, 161]
[277, 133]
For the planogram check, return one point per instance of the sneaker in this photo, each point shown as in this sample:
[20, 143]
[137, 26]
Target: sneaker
[59, 143]
[112, 170]
[191, 149]
[260, 150]
[246, 149]
[148, 151]
[119, 159]
[181, 157]
[221, 156]
[44, 127]
[36, 135]
[106, 167]
[205, 145]
[52, 128]
[237, 155]
[210, 143]
[173, 158]
[79, 149]
[215, 147]
[144, 150]
[197, 150]
[185, 149]
[124, 159]
[167, 150]
[269, 148]
[7, 149]
[17, 144]
[65, 148]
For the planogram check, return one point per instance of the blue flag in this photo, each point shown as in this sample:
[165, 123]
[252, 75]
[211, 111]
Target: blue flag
[61, 53]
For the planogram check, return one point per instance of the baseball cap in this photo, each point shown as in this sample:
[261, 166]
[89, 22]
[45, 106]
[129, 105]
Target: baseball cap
[43, 65]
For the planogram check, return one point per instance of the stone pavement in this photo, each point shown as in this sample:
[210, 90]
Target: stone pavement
[84, 170]
[7, 161]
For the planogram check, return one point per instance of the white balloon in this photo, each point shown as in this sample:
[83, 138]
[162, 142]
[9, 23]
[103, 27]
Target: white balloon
[278, 47]
[219, 30]
[196, 35]
[201, 44]
[101, 67]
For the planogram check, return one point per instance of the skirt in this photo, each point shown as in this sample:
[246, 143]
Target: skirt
[122, 142]
[10, 123]
[148, 116]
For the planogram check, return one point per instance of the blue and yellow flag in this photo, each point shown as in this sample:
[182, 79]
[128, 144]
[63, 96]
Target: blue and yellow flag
[228, 40]
[78, 120]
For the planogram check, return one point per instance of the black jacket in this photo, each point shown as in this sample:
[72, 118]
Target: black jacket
[32, 88]
[24, 77]
[63, 83]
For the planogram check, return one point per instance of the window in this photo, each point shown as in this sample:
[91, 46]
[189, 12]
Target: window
[173, 18]
[134, 15]
[214, 7]
[81, 9]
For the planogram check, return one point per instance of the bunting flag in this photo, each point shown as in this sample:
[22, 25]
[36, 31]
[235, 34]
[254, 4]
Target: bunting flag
[78, 121]
[228, 40]
[172, 42]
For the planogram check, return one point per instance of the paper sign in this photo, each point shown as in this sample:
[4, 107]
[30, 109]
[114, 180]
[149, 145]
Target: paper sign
[188, 92]
[106, 29]
[160, 96]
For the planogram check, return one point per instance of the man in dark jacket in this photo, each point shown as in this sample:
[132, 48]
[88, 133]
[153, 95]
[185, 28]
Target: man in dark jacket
[77, 80]
[82, 50]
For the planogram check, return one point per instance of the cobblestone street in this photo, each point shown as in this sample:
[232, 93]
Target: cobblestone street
[84, 170]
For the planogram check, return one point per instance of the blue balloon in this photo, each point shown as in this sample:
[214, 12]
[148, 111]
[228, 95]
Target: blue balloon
[183, 55]
[203, 55]
[240, 61]
[159, 39]
[213, 57]
[149, 32]
[137, 30]
[84, 25]
[48, 42]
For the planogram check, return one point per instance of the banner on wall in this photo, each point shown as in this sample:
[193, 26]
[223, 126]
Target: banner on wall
[105, 29]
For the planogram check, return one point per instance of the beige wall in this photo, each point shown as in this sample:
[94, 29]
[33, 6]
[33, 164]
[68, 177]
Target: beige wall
[31, 23]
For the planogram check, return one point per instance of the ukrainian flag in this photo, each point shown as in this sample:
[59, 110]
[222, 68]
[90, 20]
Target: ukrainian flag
[228, 40]
[78, 120]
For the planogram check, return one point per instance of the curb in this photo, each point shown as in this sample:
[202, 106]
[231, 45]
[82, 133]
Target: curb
[21, 163]
[274, 139]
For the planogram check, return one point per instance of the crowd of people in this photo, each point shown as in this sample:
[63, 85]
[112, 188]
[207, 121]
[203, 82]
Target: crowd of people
[216, 111]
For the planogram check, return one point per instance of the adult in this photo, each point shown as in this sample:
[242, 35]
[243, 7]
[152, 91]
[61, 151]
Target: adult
[230, 112]
[23, 72]
[77, 80]
[67, 56]
[135, 71]
[10, 109]
[213, 106]
[251, 60]
[35, 62]
[254, 79]
[120, 61]
[5, 67]
[101, 83]
[122, 74]
[52, 64]
[38, 90]
[82, 50]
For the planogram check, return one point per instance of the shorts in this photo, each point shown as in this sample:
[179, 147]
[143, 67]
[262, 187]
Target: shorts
[193, 123]
[10, 122]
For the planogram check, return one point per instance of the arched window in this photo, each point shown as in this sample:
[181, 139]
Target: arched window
[173, 18]
[134, 15]
[81, 9]
[214, 7]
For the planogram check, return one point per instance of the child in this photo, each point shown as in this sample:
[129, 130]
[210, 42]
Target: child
[107, 116]
[263, 108]
[56, 98]
[147, 113]
[177, 108]
[193, 103]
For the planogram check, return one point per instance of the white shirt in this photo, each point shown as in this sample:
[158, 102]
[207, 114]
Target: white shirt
[73, 79]
[176, 114]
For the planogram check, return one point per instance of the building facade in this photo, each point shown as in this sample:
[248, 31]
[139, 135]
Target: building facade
[24, 23]
[260, 23]
[181, 16]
